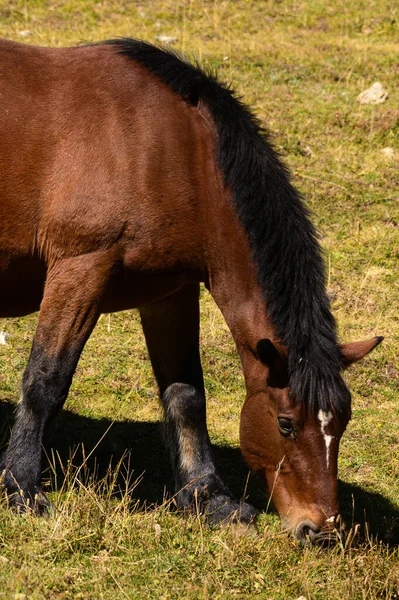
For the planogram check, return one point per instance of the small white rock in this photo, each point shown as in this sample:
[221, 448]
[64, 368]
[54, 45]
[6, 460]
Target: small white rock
[373, 95]
[24, 33]
[388, 152]
[166, 39]
[4, 337]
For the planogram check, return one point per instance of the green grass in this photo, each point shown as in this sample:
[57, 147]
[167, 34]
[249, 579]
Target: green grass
[301, 65]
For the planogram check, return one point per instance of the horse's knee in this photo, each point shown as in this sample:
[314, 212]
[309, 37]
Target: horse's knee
[184, 406]
[44, 388]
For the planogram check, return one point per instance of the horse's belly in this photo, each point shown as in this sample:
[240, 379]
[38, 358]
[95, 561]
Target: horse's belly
[130, 289]
[21, 284]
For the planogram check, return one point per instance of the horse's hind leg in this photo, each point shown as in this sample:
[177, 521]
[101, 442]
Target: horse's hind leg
[171, 328]
[68, 313]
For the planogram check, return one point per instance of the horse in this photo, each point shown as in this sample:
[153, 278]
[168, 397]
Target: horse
[128, 177]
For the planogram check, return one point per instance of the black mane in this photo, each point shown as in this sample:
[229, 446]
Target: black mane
[283, 240]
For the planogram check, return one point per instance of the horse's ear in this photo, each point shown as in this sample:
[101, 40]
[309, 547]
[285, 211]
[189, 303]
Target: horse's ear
[270, 356]
[351, 353]
[267, 352]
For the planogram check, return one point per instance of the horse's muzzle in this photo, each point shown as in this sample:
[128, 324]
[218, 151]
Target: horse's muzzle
[307, 532]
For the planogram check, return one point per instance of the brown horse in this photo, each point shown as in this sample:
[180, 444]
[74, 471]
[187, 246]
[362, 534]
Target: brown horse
[127, 177]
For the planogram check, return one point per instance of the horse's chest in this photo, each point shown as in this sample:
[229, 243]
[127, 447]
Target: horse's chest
[22, 283]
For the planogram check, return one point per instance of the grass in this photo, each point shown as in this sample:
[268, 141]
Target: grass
[301, 65]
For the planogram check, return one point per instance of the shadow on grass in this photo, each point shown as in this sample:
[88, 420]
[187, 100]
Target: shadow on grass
[378, 517]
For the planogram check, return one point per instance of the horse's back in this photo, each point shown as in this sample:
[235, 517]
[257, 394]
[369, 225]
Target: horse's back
[96, 153]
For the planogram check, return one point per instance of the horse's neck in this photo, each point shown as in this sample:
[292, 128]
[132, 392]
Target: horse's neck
[234, 285]
[238, 296]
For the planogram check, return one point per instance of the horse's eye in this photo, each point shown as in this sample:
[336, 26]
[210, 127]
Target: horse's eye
[285, 426]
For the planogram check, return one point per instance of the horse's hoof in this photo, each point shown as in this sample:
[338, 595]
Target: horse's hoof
[38, 505]
[222, 509]
[43, 506]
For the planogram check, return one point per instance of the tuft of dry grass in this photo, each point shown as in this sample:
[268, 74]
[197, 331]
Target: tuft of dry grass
[99, 543]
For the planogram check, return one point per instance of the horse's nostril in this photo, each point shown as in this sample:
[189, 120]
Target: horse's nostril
[306, 531]
[310, 533]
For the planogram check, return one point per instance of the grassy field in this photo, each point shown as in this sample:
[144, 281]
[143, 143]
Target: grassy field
[301, 64]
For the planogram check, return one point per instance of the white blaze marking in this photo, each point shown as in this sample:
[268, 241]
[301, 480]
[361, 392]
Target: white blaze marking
[324, 419]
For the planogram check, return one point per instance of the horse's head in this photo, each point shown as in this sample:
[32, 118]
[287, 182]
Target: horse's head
[294, 449]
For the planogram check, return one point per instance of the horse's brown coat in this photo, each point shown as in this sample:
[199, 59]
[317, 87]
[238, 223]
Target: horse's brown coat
[112, 197]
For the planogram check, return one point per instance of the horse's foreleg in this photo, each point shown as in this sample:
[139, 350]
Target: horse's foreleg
[68, 313]
[197, 482]
[171, 329]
